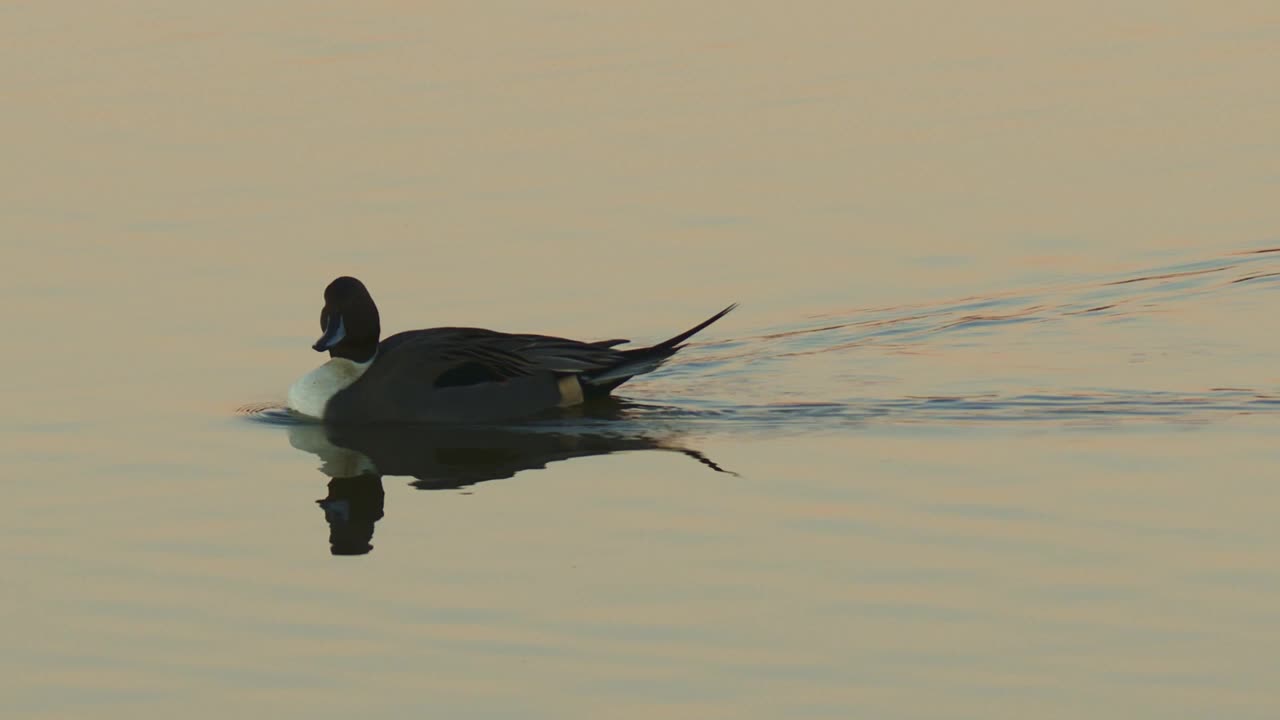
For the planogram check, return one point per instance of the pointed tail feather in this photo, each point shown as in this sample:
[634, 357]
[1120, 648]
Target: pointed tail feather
[643, 360]
[673, 344]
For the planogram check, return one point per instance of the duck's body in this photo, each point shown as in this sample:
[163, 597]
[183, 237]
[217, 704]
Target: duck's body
[455, 374]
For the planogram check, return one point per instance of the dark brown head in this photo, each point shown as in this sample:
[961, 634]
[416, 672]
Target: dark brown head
[349, 320]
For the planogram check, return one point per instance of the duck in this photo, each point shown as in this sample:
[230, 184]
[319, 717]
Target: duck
[456, 374]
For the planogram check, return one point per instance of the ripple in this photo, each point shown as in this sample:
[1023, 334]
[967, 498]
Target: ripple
[270, 413]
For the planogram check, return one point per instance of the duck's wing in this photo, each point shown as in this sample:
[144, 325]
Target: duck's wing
[453, 356]
[555, 354]
[601, 367]
[447, 357]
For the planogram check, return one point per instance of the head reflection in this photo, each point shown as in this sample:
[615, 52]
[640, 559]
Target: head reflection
[353, 506]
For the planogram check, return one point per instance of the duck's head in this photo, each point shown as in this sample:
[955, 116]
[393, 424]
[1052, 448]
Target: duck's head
[349, 320]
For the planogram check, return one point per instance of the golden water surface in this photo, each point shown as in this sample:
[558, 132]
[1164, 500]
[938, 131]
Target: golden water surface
[997, 412]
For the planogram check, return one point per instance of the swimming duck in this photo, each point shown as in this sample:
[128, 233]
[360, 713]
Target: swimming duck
[455, 374]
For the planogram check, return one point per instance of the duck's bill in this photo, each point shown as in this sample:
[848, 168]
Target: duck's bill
[334, 333]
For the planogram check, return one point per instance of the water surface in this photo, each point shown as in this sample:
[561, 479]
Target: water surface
[990, 436]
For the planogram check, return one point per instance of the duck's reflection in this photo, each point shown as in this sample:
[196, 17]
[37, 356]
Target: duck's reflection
[442, 457]
[354, 504]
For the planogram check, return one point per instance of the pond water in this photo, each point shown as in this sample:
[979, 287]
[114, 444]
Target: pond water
[991, 434]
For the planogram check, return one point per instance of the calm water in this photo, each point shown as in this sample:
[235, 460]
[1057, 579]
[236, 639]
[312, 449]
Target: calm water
[991, 436]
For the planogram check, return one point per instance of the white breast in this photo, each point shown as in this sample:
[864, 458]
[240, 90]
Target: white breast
[312, 391]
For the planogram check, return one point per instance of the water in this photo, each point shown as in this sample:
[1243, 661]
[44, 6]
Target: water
[989, 436]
